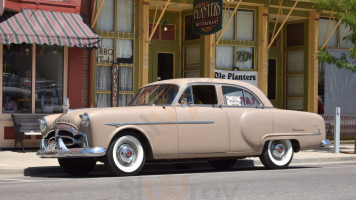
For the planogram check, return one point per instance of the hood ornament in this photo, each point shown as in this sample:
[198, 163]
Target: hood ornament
[66, 105]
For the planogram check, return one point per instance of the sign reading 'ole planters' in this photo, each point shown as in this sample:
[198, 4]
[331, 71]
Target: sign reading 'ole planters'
[207, 15]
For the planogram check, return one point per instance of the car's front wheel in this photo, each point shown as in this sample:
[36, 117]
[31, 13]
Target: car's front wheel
[125, 156]
[77, 166]
[277, 154]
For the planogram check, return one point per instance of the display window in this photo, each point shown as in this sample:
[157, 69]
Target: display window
[18, 95]
[236, 47]
[116, 25]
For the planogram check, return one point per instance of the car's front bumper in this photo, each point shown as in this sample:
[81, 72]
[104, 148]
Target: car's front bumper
[61, 151]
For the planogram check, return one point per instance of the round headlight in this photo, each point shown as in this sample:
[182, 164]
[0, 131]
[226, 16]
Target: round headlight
[43, 124]
[85, 120]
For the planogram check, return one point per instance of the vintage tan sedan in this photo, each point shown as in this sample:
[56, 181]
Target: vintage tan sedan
[211, 119]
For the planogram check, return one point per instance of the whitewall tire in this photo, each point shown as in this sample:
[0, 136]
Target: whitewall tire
[125, 156]
[277, 154]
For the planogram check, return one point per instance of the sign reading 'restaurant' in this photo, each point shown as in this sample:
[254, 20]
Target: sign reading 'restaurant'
[246, 76]
[207, 15]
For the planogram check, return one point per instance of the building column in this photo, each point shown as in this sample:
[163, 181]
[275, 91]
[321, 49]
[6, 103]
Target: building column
[313, 62]
[263, 49]
[209, 56]
[143, 42]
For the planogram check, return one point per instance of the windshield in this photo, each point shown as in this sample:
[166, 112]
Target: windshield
[155, 95]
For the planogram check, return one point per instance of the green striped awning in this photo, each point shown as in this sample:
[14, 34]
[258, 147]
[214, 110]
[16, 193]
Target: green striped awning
[46, 27]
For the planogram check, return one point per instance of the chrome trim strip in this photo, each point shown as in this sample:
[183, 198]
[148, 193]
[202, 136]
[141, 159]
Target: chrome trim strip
[118, 124]
[297, 129]
[317, 133]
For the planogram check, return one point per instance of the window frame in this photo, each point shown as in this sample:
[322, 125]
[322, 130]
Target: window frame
[115, 35]
[235, 43]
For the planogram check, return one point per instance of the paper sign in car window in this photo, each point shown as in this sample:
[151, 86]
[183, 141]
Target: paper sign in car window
[233, 100]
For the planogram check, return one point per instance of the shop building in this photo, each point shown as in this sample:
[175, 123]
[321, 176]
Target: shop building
[270, 43]
[45, 57]
[153, 40]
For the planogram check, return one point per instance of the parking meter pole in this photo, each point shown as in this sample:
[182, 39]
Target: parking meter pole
[337, 131]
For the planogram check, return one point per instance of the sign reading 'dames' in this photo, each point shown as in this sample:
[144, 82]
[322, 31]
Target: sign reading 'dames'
[246, 76]
[207, 16]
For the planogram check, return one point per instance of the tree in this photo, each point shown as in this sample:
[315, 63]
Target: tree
[346, 10]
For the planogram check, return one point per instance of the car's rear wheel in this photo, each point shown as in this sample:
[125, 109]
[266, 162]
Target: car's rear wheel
[277, 154]
[77, 166]
[125, 156]
[222, 164]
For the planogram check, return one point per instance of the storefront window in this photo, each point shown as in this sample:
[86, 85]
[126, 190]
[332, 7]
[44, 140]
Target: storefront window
[49, 79]
[237, 53]
[103, 86]
[224, 57]
[295, 34]
[344, 31]
[244, 58]
[325, 28]
[125, 16]
[124, 51]
[125, 99]
[245, 25]
[230, 30]
[103, 100]
[192, 61]
[17, 82]
[106, 16]
[188, 28]
[125, 78]
[105, 54]
[295, 80]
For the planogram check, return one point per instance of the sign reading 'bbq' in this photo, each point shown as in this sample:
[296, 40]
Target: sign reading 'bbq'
[207, 16]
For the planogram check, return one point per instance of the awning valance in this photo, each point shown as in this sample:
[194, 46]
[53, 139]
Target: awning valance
[47, 27]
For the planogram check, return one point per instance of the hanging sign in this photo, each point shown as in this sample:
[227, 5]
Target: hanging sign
[115, 86]
[246, 76]
[207, 16]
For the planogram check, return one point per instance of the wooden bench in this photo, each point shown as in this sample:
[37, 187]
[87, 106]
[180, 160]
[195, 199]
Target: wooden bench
[25, 124]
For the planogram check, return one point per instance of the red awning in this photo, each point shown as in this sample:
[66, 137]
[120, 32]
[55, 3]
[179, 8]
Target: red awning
[47, 27]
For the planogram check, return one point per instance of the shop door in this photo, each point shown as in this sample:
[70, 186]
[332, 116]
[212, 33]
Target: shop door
[164, 63]
[165, 66]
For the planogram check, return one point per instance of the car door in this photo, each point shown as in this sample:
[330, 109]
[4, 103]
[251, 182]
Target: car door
[248, 122]
[202, 123]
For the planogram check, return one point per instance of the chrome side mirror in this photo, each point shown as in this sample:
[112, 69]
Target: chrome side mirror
[66, 105]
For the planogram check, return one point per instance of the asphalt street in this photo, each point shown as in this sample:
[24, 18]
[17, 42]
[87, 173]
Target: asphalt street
[191, 181]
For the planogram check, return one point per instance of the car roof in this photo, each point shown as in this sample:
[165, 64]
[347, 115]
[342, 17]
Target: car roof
[182, 82]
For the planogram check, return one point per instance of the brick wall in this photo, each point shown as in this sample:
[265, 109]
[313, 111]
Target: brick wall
[86, 11]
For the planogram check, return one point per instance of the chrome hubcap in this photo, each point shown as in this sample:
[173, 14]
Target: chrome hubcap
[278, 150]
[126, 154]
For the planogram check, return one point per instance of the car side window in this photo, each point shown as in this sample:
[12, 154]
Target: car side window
[251, 100]
[187, 94]
[200, 94]
[233, 96]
